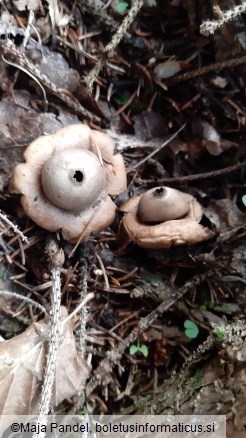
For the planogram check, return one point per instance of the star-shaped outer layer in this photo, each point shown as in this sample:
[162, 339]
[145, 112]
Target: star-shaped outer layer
[185, 230]
[26, 180]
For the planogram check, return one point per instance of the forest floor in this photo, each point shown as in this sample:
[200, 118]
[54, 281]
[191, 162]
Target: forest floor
[171, 94]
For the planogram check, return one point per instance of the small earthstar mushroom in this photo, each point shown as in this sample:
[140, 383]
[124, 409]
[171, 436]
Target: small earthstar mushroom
[66, 181]
[162, 204]
[160, 218]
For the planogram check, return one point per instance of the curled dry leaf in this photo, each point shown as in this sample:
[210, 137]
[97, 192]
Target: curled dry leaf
[56, 68]
[161, 218]
[26, 124]
[225, 214]
[205, 137]
[209, 138]
[149, 126]
[22, 365]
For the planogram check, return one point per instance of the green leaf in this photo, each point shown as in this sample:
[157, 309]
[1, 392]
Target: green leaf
[244, 200]
[141, 348]
[144, 350]
[203, 307]
[133, 349]
[219, 334]
[225, 308]
[121, 7]
[191, 329]
[121, 99]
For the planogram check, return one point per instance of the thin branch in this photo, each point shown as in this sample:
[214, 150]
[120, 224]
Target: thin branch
[46, 103]
[56, 259]
[129, 18]
[230, 63]
[84, 272]
[155, 151]
[78, 309]
[25, 299]
[210, 26]
[115, 41]
[103, 371]
[85, 259]
[12, 55]
[14, 227]
[55, 332]
[95, 8]
[234, 334]
[204, 175]
[102, 374]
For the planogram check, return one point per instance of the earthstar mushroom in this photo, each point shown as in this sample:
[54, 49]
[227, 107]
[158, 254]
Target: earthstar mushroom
[66, 181]
[162, 204]
[73, 179]
[162, 217]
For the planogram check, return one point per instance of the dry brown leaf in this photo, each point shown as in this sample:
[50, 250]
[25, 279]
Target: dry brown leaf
[22, 363]
[149, 125]
[225, 214]
[26, 125]
[206, 136]
[56, 68]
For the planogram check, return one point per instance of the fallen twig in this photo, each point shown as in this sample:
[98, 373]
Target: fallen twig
[56, 260]
[13, 56]
[102, 374]
[116, 39]
[204, 175]
[14, 227]
[156, 150]
[25, 299]
[210, 26]
[230, 63]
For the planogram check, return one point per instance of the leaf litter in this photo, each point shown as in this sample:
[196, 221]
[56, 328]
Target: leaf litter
[22, 363]
[142, 93]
